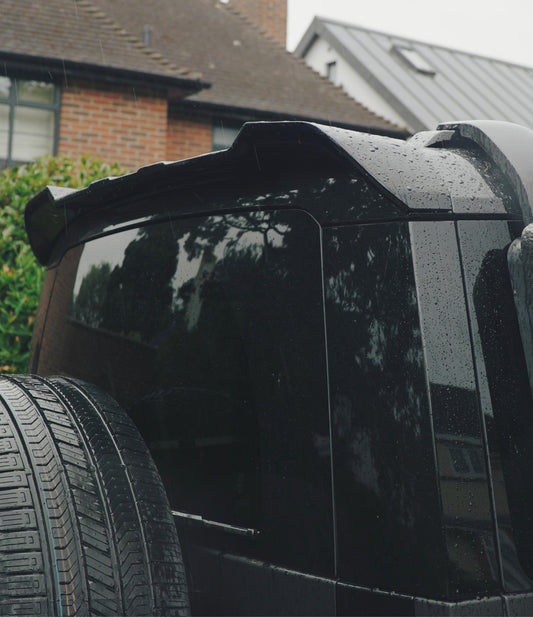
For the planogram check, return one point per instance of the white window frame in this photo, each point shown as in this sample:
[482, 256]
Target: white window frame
[12, 103]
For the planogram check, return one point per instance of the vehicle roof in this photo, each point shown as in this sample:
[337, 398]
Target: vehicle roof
[454, 171]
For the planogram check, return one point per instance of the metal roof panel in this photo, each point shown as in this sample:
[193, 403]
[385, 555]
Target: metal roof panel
[464, 85]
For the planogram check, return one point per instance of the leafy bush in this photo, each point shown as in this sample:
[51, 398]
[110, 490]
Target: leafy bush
[21, 276]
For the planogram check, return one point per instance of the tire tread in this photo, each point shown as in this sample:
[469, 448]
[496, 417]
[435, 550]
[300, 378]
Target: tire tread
[75, 520]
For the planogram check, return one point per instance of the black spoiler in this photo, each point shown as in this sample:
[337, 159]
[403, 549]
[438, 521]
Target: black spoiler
[422, 174]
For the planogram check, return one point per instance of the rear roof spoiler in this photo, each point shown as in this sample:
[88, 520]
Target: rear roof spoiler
[420, 173]
[510, 147]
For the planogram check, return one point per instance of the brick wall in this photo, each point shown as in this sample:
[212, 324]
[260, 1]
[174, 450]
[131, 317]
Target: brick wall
[269, 15]
[116, 124]
[188, 135]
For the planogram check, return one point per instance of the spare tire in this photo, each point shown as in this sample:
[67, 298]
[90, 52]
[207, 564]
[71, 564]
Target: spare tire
[85, 525]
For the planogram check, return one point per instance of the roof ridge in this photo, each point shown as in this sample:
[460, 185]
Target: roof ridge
[108, 22]
[227, 6]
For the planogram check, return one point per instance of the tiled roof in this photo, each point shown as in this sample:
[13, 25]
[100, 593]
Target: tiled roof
[454, 85]
[246, 70]
[78, 31]
[249, 73]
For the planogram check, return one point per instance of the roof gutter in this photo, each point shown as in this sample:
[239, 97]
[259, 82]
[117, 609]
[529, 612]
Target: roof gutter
[61, 70]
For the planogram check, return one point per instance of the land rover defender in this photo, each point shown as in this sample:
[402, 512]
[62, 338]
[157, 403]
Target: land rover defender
[311, 355]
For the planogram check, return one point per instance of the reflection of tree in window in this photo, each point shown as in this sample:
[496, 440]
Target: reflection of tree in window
[383, 456]
[240, 374]
[232, 308]
[87, 306]
[139, 298]
[224, 315]
[510, 429]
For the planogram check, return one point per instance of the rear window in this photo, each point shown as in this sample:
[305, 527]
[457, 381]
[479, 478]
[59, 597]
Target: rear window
[387, 503]
[210, 332]
[505, 393]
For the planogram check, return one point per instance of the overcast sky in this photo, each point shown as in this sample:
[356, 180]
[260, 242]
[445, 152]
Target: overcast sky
[501, 29]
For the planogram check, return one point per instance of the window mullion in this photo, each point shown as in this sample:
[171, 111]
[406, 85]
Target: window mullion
[12, 103]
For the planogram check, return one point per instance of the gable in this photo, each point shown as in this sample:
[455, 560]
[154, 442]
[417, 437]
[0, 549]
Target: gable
[427, 84]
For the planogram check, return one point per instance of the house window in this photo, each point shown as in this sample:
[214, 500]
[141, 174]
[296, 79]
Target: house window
[224, 133]
[467, 461]
[331, 71]
[413, 59]
[28, 120]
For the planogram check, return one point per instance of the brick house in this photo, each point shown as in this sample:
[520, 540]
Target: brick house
[135, 81]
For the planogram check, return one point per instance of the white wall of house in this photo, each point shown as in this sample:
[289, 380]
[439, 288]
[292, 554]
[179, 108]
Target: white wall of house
[321, 54]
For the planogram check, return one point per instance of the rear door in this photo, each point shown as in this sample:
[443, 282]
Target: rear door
[210, 332]
[506, 400]
[431, 412]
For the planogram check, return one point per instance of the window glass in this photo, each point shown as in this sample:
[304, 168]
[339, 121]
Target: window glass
[414, 59]
[386, 496]
[35, 92]
[33, 133]
[507, 403]
[459, 436]
[331, 71]
[224, 133]
[4, 131]
[210, 332]
[5, 85]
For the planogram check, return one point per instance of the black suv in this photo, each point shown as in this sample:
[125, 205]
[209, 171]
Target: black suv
[324, 339]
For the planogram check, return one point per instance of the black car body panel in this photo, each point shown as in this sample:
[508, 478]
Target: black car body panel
[315, 332]
[278, 156]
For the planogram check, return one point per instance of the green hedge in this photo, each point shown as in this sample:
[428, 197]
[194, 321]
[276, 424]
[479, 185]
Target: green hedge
[21, 276]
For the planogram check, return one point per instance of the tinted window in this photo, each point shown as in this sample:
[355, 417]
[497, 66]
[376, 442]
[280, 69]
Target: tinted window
[388, 532]
[210, 332]
[460, 444]
[506, 396]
